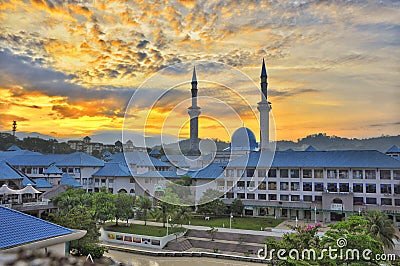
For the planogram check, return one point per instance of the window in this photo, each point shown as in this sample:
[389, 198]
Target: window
[318, 173]
[249, 172]
[344, 187]
[331, 173]
[272, 197]
[70, 170]
[319, 187]
[370, 188]
[262, 173]
[77, 170]
[84, 181]
[386, 188]
[40, 170]
[357, 174]
[250, 196]
[284, 185]
[262, 196]
[284, 173]
[295, 198]
[384, 174]
[230, 195]
[358, 188]
[397, 202]
[272, 173]
[240, 195]
[370, 174]
[29, 170]
[250, 184]
[343, 174]
[284, 197]
[240, 184]
[307, 186]
[220, 183]
[131, 180]
[295, 186]
[271, 185]
[262, 186]
[240, 172]
[396, 174]
[229, 184]
[318, 198]
[307, 198]
[230, 173]
[294, 173]
[358, 200]
[396, 189]
[386, 201]
[307, 173]
[110, 181]
[370, 200]
[332, 187]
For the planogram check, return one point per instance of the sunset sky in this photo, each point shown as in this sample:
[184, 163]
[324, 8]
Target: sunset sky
[70, 70]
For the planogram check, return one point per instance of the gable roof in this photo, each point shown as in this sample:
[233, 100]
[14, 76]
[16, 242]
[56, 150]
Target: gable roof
[52, 169]
[67, 160]
[66, 179]
[137, 158]
[213, 170]
[9, 172]
[18, 228]
[14, 148]
[393, 149]
[42, 183]
[113, 169]
[310, 148]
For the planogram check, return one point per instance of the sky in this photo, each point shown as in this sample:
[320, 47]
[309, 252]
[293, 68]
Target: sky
[69, 69]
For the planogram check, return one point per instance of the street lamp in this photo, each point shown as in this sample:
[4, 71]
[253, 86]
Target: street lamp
[297, 220]
[315, 214]
[230, 221]
[168, 219]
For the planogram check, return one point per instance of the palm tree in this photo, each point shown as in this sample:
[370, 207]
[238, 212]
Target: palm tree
[381, 228]
[144, 206]
[182, 214]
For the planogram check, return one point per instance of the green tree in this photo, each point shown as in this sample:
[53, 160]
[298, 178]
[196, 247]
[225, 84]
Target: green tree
[144, 206]
[78, 217]
[103, 205]
[381, 228]
[182, 215]
[124, 204]
[72, 197]
[211, 203]
[237, 206]
[212, 232]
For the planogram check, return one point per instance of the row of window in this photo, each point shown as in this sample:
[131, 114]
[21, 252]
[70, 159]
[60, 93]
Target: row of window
[316, 173]
[317, 186]
[40, 170]
[309, 198]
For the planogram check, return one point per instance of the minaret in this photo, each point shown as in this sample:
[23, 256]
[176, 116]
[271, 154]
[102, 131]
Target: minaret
[264, 107]
[194, 112]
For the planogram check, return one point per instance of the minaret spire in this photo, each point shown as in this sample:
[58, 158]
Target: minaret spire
[194, 112]
[264, 107]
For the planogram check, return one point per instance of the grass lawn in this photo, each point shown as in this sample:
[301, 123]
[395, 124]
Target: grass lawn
[250, 223]
[139, 229]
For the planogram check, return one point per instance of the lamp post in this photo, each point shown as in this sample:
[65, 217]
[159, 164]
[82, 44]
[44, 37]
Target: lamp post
[230, 221]
[168, 219]
[297, 220]
[315, 214]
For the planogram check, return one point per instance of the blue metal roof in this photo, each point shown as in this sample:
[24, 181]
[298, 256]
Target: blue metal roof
[393, 149]
[78, 159]
[154, 152]
[8, 172]
[138, 158]
[213, 170]
[345, 159]
[42, 183]
[18, 228]
[310, 148]
[164, 174]
[66, 179]
[14, 148]
[52, 169]
[113, 169]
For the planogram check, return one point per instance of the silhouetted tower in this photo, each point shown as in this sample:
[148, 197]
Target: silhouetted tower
[264, 107]
[194, 112]
[14, 127]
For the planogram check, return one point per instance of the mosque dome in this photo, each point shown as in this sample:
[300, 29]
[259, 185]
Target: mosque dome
[243, 139]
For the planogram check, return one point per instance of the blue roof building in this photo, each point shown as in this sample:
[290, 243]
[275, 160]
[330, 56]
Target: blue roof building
[19, 230]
